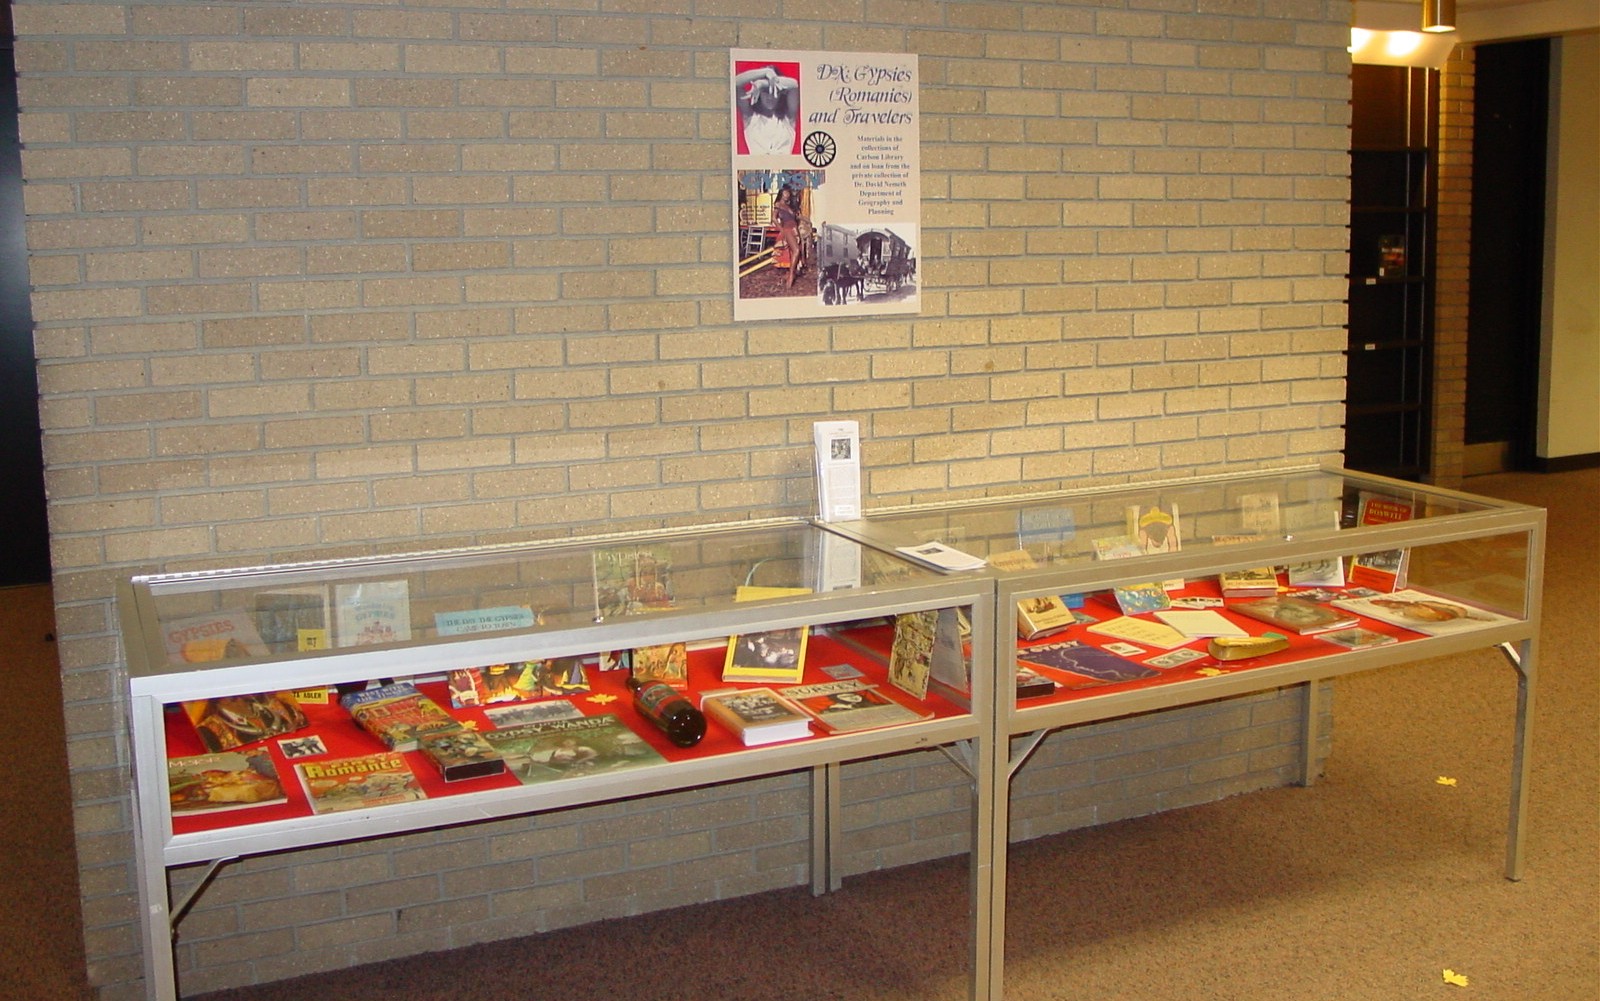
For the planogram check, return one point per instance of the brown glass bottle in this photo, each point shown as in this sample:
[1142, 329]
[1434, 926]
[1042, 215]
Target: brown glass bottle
[666, 707]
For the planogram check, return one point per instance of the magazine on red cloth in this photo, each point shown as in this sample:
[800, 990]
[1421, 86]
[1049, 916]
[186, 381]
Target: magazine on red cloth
[1422, 612]
[1385, 570]
[571, 748]
[851, 704]
[231, 780]
[398, 714]
[1078, 665]
[360, 783]
[1295, 614]
[230, 721]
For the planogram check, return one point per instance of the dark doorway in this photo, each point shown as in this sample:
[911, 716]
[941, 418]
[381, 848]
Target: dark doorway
[22, 502]
[1394, 111]
[1506, 302]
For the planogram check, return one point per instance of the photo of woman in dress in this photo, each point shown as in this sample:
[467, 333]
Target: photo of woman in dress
[767, 97]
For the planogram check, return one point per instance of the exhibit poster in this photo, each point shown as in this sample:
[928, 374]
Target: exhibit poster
[826, 183]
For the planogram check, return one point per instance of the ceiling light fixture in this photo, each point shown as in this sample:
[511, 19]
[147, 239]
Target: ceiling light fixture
[1438, 15]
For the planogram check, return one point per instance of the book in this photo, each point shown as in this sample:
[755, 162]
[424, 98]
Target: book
[1357, 638]
[1200, 623]
[1227, 648]
[1155, 529]
[949, 665]
[461, 754]
[942, 557]
[1136, 599]
[1045, 532]
[372, 612]
[664, 662]
[1385, 570]
[911, 651]
[1142, 631]
[360, 783]
[1079, 665]
[1392, 255]
[516, 714]
[294, 618]
[398, 715]
[631, 580]
[231, 780]
[1116, 547]
[1031, 684]
[1043, 616]
[555, 677]
[1248, 582]
[1422, 612]
[471, 687]
[851, 705]
[199, 639]
[1258, 514]
[777, 655]
[1013, 559]
[756, 715]
[571, 748]
[1317, 573]
[1294, 614]
[230, 721]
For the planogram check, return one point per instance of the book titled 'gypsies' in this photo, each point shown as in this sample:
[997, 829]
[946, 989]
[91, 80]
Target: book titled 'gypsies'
[359, 783]
[398, 714]
[571, 748]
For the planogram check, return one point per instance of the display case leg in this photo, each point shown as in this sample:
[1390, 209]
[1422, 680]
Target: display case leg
[825, 796]
[1316, 699]
[1522, 658]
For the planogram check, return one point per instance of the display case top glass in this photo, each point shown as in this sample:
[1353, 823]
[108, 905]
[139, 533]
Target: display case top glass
[290, 609]
[1059, 529]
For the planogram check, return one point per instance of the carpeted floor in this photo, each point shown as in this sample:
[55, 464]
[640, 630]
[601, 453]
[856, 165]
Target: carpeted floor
[1364, 887]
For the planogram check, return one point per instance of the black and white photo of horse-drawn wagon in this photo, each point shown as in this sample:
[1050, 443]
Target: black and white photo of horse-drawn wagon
[856, 262]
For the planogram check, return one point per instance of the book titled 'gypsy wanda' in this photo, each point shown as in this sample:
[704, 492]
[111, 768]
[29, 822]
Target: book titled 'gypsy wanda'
[398, 715]
[359, 783]
[571, 748]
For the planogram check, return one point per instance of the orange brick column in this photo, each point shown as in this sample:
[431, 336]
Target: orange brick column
[1453, 249]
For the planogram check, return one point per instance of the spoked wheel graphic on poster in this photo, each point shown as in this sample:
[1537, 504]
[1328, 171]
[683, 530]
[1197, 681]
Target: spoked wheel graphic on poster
[819, 149]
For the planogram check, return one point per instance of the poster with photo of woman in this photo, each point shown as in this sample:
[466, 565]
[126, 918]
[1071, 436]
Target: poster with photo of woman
[827, 196]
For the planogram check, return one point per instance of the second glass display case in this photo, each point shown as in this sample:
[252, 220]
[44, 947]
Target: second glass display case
[1148, 597]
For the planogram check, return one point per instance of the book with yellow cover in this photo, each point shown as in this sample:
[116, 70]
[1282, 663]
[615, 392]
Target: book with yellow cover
[1141, 631]
[776, 656]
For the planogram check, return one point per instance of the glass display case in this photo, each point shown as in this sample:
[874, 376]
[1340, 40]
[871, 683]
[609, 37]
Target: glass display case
[1087, 605]
[242, 686]
[1147, 597]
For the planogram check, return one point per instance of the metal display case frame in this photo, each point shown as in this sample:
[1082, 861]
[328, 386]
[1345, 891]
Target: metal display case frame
[848, 584]
[1317, 510]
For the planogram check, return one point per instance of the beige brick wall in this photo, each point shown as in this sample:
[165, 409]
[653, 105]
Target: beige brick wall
[320, 278]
